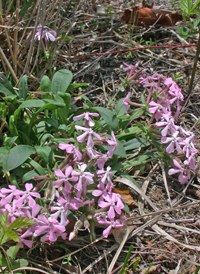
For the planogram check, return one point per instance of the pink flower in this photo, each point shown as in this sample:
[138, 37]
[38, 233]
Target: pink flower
[45, 34]
[24, 241]
[49, 227]
[88, 132]
[27, 196]
[69, 149]
[114, 204]
[64, 177]
[111, 142]
[174, 141]
[11, 193]
[168, 123]
[112, 224]
[183, 177]
[125, 102]
[87, 119]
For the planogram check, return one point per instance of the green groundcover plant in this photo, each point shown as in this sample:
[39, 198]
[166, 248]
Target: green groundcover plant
[68, 157]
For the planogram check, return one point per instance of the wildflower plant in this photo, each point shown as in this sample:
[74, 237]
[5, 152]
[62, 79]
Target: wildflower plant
[164, 104]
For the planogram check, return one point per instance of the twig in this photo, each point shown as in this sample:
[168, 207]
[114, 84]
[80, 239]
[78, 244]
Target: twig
[8, 64]
[131, 49]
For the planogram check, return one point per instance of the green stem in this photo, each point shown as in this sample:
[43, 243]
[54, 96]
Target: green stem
[195, 65]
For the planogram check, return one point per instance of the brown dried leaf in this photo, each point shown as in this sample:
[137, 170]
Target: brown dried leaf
[126, 195]
[148, 16]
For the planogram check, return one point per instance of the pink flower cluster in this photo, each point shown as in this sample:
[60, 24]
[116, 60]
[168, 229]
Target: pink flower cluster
[70, 183]
[165, 108]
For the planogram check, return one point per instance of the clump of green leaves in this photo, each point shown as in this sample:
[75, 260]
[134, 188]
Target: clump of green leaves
[190, 13]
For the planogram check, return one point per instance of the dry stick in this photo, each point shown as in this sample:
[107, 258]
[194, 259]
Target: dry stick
[15, 48]
[165, 182]
[52, 9]
[8, 64]
[32, 42]
[1, 13]
[195, 65]
[57, 13]
[131, 49]
[112, 264]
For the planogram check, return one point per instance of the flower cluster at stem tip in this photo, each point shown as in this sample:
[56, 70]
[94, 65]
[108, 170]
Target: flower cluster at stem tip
[82, 167]
[165, 108]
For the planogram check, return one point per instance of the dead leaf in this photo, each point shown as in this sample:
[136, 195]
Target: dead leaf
[148, 16]
[126, 195]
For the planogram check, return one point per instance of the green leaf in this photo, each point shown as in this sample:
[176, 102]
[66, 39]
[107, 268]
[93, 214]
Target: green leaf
[38, 167]
[135, 143]
[109, 117]
[186, 6]
[45, 85]
[73, 86]
[5, 87]
[196, 5]
[34, 103]
[45, 152]
[23, 87]
[120, 151]
[29, 175]
[3, 152]
[128, 133]
[61, 81]
[12, 234]
[120, 110]
[17, 156]
[196, 21]
[19, 263]
[20, 222]
[12, 251]
[183, 32]
[137, 113]
[3, 220]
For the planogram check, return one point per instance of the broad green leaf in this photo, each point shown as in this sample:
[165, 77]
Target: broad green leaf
[23, 87]
[120, 110]
[135, 143]
[45, 85]
[109, 117]
[73, 86]
[186, 6]
[17, 156]
[19, 263]
[3, 153]
[29, 175]
[37, 167]
[120, 151]
[20, 222]
[34, 103]
[4, 239]
[12, 251]
[61, 81]
[46, 153]
[5, 86]
[139, 160]
[128, 133]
